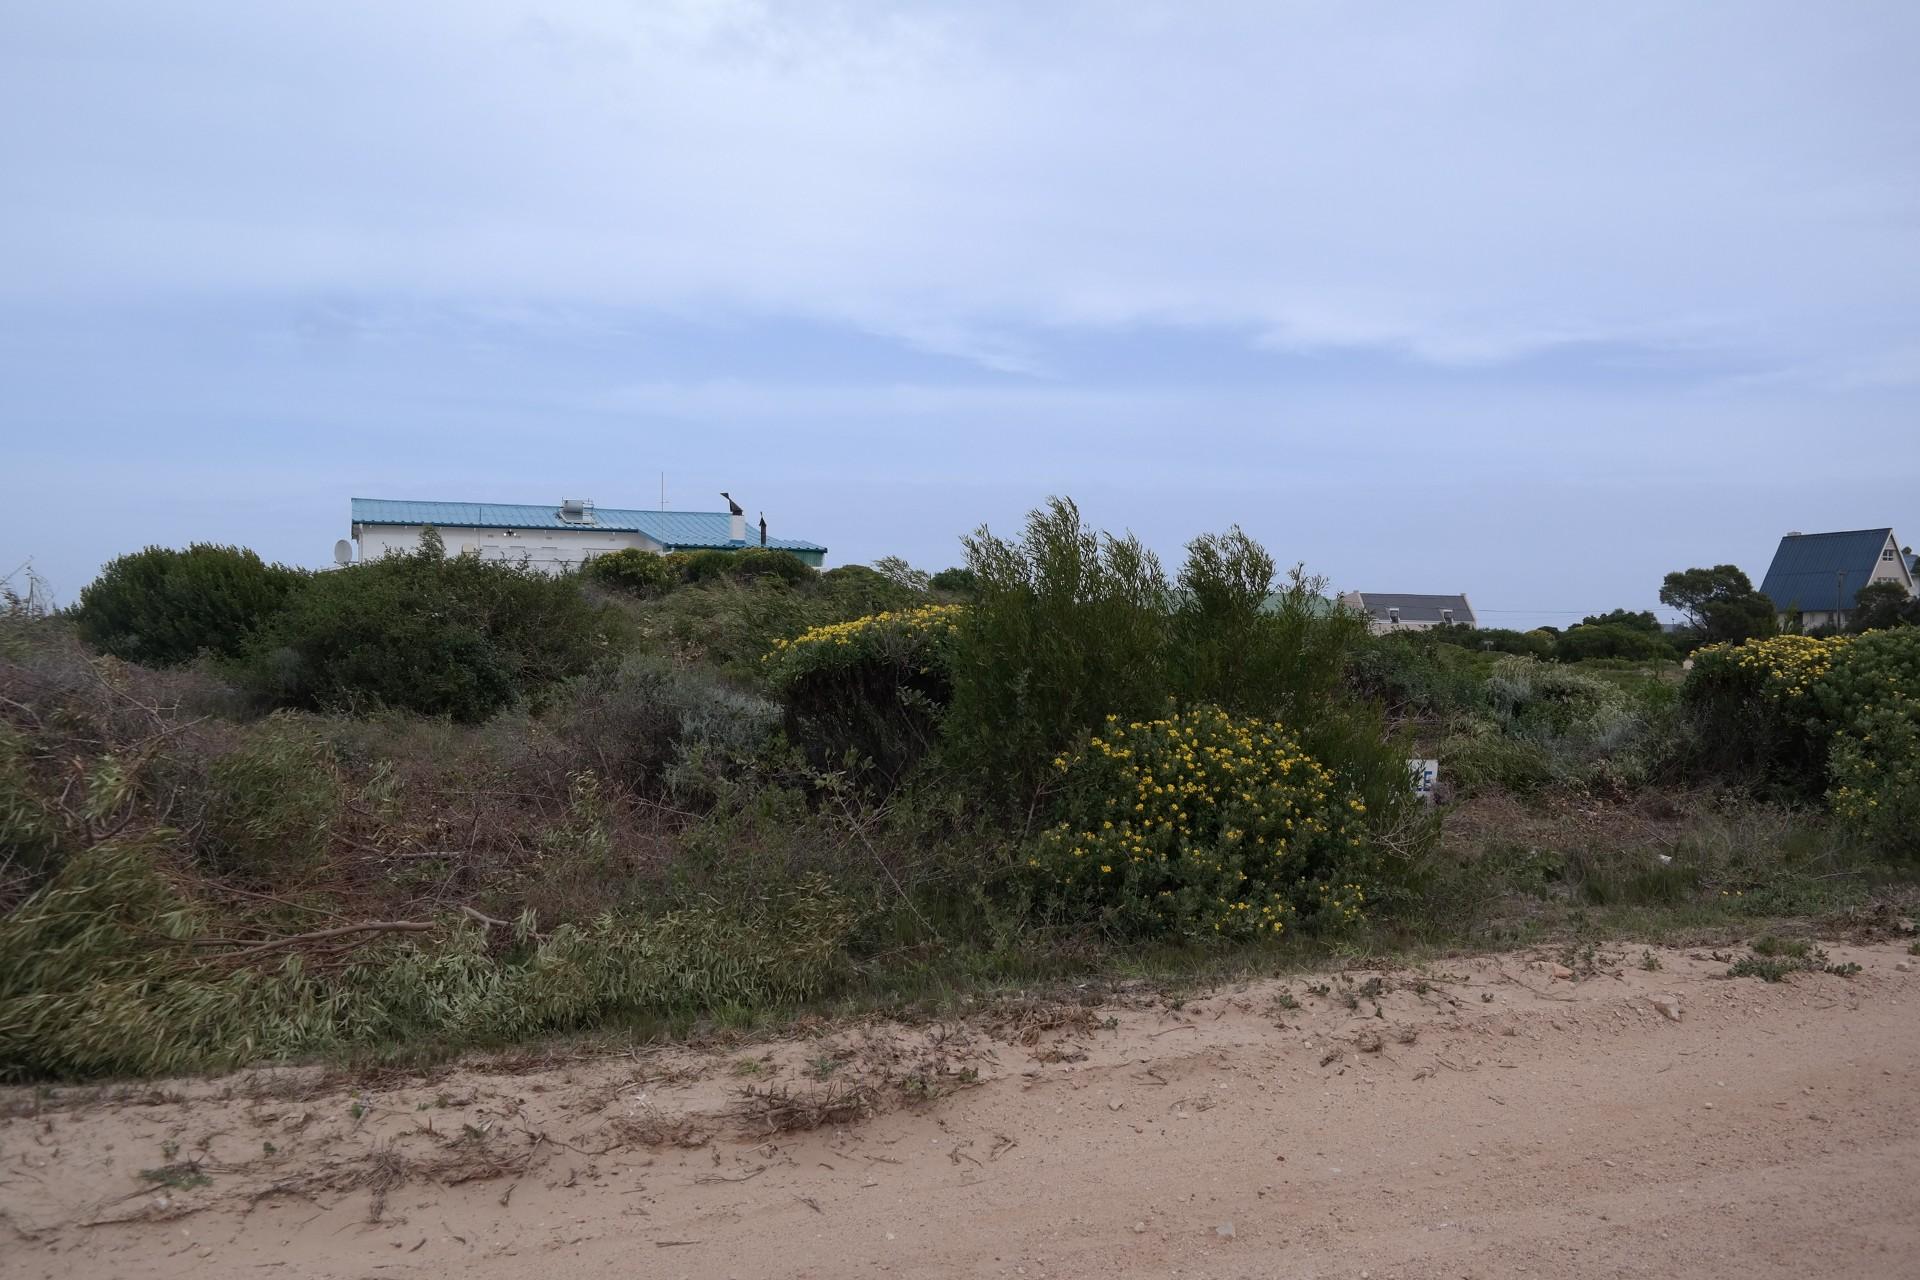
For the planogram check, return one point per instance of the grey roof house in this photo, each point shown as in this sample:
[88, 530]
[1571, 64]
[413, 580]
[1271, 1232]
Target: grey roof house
[1391, 611]
[1821, 574]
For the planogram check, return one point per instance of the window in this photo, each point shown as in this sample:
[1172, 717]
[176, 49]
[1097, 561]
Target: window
[1446, 616]
[1393, 616]
[1887, 554]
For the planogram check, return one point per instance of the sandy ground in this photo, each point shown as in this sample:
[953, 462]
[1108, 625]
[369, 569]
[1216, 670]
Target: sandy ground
[1492, 1118]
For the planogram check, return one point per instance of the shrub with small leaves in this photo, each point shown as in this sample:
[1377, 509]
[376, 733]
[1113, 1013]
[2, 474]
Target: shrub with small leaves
[1202, 824]
[874, 688]
[1875, 766]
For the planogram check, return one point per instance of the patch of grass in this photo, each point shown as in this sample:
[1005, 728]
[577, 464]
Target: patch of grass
[1765, 968]
[182, 1175]
[1773, 959]
[1649, 961]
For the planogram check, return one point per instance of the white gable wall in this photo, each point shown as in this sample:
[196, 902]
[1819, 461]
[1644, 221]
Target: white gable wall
[1892, 566]
[549, 550]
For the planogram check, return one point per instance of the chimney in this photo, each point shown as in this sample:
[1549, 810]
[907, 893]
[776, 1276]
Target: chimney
[737, 526]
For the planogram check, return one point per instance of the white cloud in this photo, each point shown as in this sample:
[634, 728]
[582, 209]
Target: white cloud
[1463, 183]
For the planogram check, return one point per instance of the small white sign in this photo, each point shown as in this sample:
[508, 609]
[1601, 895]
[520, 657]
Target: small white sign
[1425, 774]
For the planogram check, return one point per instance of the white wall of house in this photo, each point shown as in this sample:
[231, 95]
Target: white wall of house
[549, 550]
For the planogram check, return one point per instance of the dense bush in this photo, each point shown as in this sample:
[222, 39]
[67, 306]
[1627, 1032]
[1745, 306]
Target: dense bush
[444, 636]
[1068, 626]
[1525, 725]
[1817, 716]
[1202, 823]
[1532, 644]
[630, 570]
[655, 729]
[1611, 640]
[1874, 763]
[164, 607]
[957, 581]
[1756, 714]
[868, 693]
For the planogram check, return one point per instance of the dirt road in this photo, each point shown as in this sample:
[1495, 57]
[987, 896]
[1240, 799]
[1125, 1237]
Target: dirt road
[1492, 1119]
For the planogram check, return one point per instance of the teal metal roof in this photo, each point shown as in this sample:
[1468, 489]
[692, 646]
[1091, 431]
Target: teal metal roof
[1806, 569]
[676, 530]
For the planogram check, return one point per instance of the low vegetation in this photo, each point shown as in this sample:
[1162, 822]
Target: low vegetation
[426, 803]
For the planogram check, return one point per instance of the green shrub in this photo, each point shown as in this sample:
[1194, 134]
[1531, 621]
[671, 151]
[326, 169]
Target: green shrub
[1773, 713]
[856, 591]
[961, 582]
[871, 691]
[444, 636]
[1755, 711]
[1875, 768]
[1543, 723]
[654, 728]
[1202, 823]
[1066, 626]
[1532, 644]
[747, 562]
[632, 571]
[767, 562]
[164, 607]
[1477, 755]
[1610, 641]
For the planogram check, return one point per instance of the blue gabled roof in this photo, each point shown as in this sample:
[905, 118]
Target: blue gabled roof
[672, 529]
[1805, 570]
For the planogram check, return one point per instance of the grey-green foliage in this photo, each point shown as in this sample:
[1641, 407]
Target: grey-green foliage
[99, 974]
[654, 729]
[1546, 723]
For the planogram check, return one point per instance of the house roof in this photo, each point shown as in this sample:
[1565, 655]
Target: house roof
[1805, 570]
[1414, 608]
[672, 529]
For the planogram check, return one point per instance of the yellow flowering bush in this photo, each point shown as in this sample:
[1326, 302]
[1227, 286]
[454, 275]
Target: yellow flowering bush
[1783, 667]
[1838, 715]
[867, 695]
[1201, 823]
[892, 635]
[1756, 709]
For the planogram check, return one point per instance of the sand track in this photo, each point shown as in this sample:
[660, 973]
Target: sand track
[1490, 1120]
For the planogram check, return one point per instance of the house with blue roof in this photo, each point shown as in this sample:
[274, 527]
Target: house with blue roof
[1820, 574]
[557, 537]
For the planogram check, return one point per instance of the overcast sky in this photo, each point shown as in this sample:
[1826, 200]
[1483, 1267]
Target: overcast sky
[1534, 301]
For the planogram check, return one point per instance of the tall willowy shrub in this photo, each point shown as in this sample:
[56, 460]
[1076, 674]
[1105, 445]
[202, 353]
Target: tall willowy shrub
[1066, 626]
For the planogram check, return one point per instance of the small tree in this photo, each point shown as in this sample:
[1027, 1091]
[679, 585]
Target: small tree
[1644, 620]
[1880, 605]
[1720, 604]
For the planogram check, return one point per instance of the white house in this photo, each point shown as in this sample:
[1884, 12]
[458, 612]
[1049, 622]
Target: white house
[559, 537]
[1401, 612]
[1820, 574]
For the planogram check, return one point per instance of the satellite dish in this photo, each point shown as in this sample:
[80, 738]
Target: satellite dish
[343, 552]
